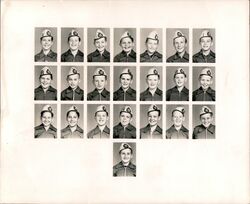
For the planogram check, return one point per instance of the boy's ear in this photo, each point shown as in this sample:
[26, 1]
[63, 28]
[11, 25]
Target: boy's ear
[212, 43]
[158, 82]
[185, 80]
[183, 118]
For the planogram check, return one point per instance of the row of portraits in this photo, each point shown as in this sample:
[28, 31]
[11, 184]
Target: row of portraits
[124, 49]
[124, 121]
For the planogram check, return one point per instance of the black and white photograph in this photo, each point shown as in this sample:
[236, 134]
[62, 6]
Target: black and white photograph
[98, 121]
[45, 121]
[151, 121]
[124, 159]
[151, 45]
[124, 83]
[45, 83]
[46, 44]
[72, 45]
[72, 83]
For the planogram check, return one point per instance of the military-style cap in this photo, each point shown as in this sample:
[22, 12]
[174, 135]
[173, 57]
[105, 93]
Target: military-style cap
[153, 35]
[125, 146]
[125, 35]
[73, 108]
[127, 109]
[153, 108]
[47, 108]
[178, 34]
[153, 71]
[205, 110]
[206, 71]
[45, 71]
[179, 71]
[126, 71]
[101, 108]
[99, 34]
[180, 109]
[72, 71]
[100, 72]
[46, 33]
[74, 32]
[205, 33]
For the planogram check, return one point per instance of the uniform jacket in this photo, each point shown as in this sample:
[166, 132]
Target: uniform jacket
[66, 132]
[129, 95]
[127, 132]
[40, 132]
[96, 133]
[123, 57]
[174, 95]
[177, 58]
[96, 96]
[172, 133]
[50, 57]
[147, 96]
[69, 57]
[145, 57]
[121, 170]
[50, 94]
[200, 95]
[199, 57]
[76, 95]
[145, 133]
[200, 132]
[97, 57]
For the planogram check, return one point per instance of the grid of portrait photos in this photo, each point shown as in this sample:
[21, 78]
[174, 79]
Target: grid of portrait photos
[124, 85]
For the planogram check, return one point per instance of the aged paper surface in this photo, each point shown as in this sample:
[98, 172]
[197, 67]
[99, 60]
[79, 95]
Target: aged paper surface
[80, 170]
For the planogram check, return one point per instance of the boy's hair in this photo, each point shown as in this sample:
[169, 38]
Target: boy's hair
[102, 111]
[78, 114]
[153, 74]
[45, 112]
[178, 111]
[211, 114]
[126, 148]
[131, 75]
[51, 76]
[152, 39]
[74, 36]
[181, 36]
[105, 37]
[159, 112]
[71, 75]
[132, 39]
[208, 37]
[46, 36]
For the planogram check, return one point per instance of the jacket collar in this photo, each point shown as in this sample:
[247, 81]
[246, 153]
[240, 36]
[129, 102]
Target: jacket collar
[97, 130]
[200, 90]
[51, 127]
[77, 90]
[129, 91]
[157, 91]
[40, 88]
[184, 90]
[211, 53]
[129, 126]
[157, 129]
[185, 56]
[78, 129]
[130, 165]
[104, 92]
[157, 54]
[183, 129]
[97, 53]
[131, 54]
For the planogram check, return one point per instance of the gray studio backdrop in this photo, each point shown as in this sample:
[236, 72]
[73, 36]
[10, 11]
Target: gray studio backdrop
[116, 155]
[170, 83]
[64, 38]
[38, 110]
[116, 76]
[38, 33]
[144, 115]
[53, 69]
[170, 32]
[196, 74]
[116, 114]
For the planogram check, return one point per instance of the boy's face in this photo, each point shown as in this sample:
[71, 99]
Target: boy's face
[74, 43]
[125, 118]
[45, 81]
[73, 81]
[179, 44]
[153, 118]
[127, 44]
[151, 45]
[206, 43]
[46, 119]
[99, 82]
[46, 43]
[180, 80]
[101, 118]
[126, 156]
[206, 119]
[205, 81]
[178, 118]
[126, 81]
[153, 81]
[72, 119]
[100, 44]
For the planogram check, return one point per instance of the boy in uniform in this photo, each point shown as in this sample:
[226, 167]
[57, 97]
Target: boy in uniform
[125, 167]
[152, 130]
[100, 81]
[205, 92]
[101, 131]
[73, 92]
[151, 54]
[152, 93]
[125, 92]
[179, 92]
[45, 91]
[177, 130]
[206, 130]
[180, 45]
[100, 54]
[46, 54]
[205, 55]
[73, 54]
[125, 129]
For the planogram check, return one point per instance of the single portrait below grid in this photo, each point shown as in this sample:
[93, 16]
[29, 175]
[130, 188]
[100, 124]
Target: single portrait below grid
[124, 166]
[177, 45]
[72, 44]
[98, 125]
[45, 44]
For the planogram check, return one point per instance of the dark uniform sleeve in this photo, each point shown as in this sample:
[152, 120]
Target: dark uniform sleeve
[194, 93]
[89, 57]
[62, 58]
[195, 133]
[168, 95]
[213, 95]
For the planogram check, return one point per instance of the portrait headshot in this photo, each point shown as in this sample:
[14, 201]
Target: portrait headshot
[124, 159]
[151, 45]
[72, 45]
[45, 44]
[45, 121]
[125, 45]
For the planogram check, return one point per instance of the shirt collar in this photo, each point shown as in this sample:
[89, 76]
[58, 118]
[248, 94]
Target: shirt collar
[131, 54]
